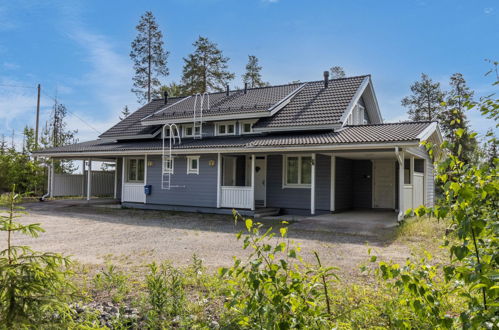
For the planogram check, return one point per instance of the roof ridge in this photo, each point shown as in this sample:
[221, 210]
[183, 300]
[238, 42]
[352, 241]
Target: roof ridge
[398, 123]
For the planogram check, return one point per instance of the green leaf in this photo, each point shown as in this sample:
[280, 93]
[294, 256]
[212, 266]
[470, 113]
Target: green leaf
[249, 224]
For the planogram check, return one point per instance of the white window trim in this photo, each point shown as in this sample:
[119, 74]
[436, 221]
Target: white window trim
[285, 172]
[227, 123]
[172, 169]
[191, 170]
[127, 161]
[184, 130]
[241, 126]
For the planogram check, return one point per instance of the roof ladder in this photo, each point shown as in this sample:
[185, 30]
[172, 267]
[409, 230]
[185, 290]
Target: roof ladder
[170, 132]
[199, 104]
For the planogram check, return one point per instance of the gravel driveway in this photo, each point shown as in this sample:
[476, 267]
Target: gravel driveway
[90, 233]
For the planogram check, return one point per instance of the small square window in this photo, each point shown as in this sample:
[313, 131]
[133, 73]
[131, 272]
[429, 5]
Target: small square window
[226, 128]
[298, 171]
[230, 129]
[221, 129]
[246, 127]
[168, 165]
[192, 164]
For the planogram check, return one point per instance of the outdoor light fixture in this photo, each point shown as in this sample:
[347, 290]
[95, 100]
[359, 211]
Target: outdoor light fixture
[211, 162]
[150, 163]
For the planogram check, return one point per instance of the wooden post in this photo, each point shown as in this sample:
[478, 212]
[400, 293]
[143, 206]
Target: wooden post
[400, 158]
[52, 179]
[253, 182]
[116, 178]
[37, 117]
[219, 174]
[145, 177]
[89, 180]
[333, 182]
[83, 179]
[312, 186]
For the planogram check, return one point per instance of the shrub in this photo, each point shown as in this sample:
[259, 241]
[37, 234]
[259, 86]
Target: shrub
[274, 288]
[34, 286]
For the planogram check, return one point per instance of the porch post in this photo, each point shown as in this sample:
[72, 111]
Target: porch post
[411, 174]
[89, 180]
[145, 176]
[312, 186]
[116, 177]
[253, 182]
[219, 174]
[400, 158]
[83, 178]
[333, 182]
[52, 179]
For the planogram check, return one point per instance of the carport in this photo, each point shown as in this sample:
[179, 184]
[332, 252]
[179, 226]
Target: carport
[87, 184]
[390, 180]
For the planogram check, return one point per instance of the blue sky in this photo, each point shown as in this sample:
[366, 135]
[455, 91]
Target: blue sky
[79, 49]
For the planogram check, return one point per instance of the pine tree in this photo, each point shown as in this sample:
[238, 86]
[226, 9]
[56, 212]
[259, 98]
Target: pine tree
[124, 113]
[425, 101]
[28, 140]
[337, 72]
[253, 77]
[3, 145]
[149, 58]
[206, 68]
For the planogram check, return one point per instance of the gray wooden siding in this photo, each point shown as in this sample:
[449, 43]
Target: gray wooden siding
[430, 174]
[200, 190]
[362, 183]
[343, 184]
[119, 168]
[323, 182]
[277, 196]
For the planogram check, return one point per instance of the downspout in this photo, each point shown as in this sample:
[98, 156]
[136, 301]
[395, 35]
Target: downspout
[49, 183]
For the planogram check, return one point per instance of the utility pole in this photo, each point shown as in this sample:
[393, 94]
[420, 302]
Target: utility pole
[37, 117]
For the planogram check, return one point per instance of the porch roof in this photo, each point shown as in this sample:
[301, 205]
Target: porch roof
[363, 134]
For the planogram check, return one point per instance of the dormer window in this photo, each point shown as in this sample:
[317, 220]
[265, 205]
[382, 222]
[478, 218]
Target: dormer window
[188, 130]
[246, 127]
[357, 116]
[225, 129]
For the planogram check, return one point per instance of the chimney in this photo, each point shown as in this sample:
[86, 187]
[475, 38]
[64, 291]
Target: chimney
[326, 79]
[245, 88]
[227, 90]
[166, 96]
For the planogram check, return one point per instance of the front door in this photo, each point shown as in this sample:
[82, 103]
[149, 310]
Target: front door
[260, 181]
[384, 184]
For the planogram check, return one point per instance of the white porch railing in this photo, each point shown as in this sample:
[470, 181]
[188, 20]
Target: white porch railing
[236, 197]
[133, 192]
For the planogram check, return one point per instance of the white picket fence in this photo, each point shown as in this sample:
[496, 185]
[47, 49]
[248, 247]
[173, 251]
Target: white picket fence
[75, 184]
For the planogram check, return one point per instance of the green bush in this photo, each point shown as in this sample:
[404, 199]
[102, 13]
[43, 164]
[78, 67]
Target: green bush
[34, 286]
[274, 288]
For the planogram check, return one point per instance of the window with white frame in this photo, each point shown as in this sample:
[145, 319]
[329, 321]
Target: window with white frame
[246, 127]
[135, 169]
[357, 116]
[188, 130]
[192, 164]
[297, 171]
[226, 128]
[168, 165]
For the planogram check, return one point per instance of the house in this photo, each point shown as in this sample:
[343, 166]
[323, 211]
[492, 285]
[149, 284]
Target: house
[301, 148]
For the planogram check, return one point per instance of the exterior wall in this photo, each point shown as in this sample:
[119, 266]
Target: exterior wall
[119, 169]
[285, 198]
[429, 172]
[323, 182]
[362, 184]
[199, 190]
[343, 188]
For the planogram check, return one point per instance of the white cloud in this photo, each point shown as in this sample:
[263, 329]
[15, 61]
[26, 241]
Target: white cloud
[488, 10]
[10, 66]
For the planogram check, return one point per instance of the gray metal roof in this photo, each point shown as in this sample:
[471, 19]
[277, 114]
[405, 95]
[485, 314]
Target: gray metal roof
[131, 125]
[315, 105]
[395, 132]
[255, 100]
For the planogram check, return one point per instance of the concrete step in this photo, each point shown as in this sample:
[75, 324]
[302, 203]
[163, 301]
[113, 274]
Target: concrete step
[266, 212]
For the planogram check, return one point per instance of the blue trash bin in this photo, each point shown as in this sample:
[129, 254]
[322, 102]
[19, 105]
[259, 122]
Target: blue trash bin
[147, 189]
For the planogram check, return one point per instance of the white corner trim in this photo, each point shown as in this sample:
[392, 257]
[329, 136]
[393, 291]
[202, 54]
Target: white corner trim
[428, 131]
[354, 100]
[333, 183]
[312, 185]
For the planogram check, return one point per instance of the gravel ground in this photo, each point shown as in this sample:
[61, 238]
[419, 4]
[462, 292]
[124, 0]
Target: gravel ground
[91, 234]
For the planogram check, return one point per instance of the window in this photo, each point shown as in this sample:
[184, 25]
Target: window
[297, 171]
[135, 170]
[407, 171]
[246, 127]
[357, 116]
[189, 129]
[168, 164]
[192, 164]
[226, 129]
[419, 165]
